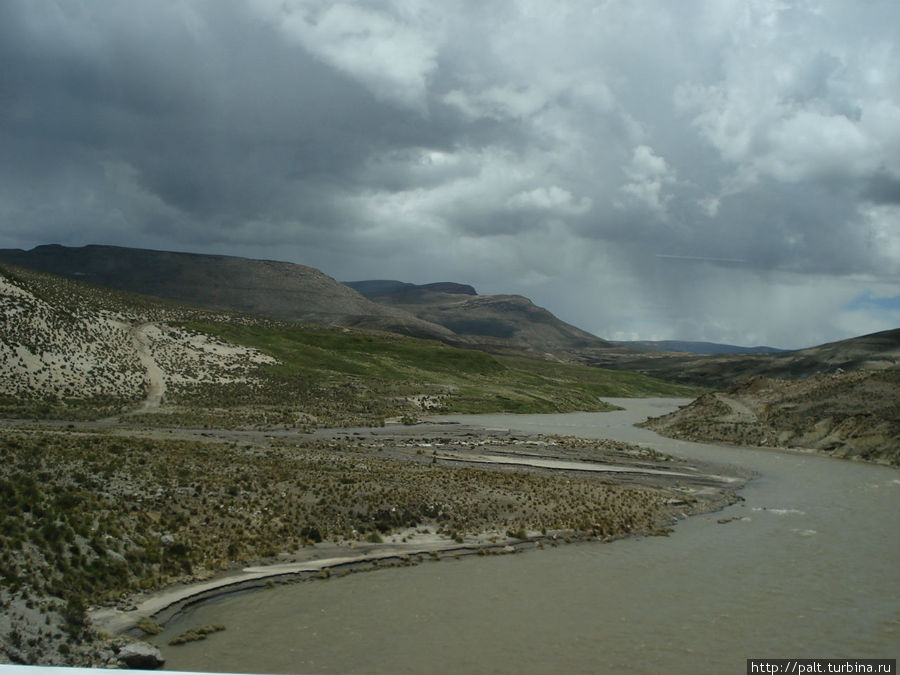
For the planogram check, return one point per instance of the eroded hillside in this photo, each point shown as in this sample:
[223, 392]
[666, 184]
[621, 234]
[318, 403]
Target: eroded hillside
[846, 414]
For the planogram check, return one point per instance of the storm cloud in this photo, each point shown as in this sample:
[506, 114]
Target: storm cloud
[723, 170]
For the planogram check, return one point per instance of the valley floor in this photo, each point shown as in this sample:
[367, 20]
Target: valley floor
[145, 520]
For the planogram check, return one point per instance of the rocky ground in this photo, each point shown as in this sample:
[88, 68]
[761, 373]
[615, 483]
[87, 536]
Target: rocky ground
[853, 415]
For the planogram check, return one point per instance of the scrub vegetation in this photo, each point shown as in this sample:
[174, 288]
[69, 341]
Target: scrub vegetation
[93, 515]
[70, 352]
[343, 378]
[91, 518]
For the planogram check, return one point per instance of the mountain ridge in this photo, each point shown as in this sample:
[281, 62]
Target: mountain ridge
[280, 290]
[72, 349]
[875, 351]
[698, 347]
[501, 323]
[450, 312]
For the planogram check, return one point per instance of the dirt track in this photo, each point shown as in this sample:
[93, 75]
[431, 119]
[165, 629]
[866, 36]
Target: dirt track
[155, 375]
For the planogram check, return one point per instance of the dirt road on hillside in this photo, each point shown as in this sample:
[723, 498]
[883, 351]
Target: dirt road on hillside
[157, 387]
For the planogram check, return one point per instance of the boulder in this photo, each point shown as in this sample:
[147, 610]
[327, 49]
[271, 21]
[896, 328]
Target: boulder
[140, 655]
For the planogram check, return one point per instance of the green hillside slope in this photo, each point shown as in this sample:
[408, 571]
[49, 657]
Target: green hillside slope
[68, 345]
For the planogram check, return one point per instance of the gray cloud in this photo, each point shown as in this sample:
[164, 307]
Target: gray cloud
[882, 188]
[609, 160]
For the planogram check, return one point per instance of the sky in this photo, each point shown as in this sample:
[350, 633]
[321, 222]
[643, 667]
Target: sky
[720, 170]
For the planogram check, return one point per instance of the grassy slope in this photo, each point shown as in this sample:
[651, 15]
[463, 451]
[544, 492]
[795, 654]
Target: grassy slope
[83, 515]
[327, 377]
[466, 380]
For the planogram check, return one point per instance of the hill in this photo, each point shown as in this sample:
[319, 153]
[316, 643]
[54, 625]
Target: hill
[842, 398]
[846, 414]
[277, 290]
[504, 324]
[70, 350]
[697, 347]
[877, 351]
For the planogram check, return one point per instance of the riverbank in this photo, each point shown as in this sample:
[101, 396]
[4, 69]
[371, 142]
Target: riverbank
[688, 488]
[162, 606]
[149, 521]
[849, 415]
[806, 562]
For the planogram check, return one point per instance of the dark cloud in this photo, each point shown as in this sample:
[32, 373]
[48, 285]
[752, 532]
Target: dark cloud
[610, 160]
[882, 188]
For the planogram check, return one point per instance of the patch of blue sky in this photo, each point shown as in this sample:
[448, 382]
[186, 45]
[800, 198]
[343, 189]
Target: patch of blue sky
[866, 301]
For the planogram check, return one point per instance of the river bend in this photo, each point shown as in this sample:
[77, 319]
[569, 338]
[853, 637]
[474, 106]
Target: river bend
[807, 566]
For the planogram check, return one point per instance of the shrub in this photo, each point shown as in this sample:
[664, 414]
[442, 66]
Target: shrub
[311, 533]
[518, 534]
[149, 626]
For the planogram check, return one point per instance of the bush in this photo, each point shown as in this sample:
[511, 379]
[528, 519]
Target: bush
[75, 614]
[518, 534]
[311, 533]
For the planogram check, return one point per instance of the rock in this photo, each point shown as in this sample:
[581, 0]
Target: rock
[140, 655]
[167, 540]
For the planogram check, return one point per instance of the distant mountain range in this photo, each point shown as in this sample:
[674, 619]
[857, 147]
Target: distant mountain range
[451, 312]
[878, 351]
[278, 290]
[697, 347]
[499, 323]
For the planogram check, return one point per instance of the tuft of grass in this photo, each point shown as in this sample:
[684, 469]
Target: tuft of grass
[149, 626]
[195, 634]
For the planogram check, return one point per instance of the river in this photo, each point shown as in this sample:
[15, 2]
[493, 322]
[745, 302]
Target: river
[808, 568]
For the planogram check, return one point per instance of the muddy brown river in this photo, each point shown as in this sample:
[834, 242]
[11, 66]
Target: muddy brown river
[808, 568]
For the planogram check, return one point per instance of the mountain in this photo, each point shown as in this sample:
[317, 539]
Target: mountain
[509, 324]
[877, 351]
[697, 347]
[381, 288]
[451, 312]
[278, 290]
